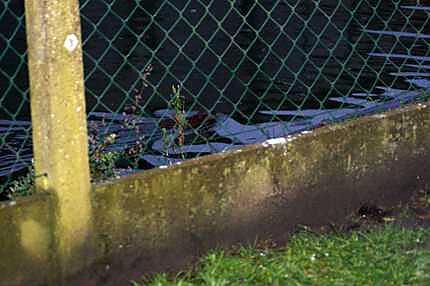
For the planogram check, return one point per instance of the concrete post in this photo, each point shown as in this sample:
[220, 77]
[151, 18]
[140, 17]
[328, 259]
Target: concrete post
[59, 125]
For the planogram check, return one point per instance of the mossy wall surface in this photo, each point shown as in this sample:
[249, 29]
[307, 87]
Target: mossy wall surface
[163, 219]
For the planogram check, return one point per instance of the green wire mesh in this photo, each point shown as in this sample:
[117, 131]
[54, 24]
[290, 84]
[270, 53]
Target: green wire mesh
[170, 80]
[15, 134]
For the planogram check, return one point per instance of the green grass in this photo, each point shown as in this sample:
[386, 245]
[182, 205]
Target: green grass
[386, 256]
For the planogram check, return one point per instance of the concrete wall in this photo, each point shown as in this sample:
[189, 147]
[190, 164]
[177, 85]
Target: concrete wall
[163, 219]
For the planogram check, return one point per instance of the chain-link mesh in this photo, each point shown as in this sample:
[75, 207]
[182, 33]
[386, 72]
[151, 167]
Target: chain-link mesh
[170, 80]
[15, 136]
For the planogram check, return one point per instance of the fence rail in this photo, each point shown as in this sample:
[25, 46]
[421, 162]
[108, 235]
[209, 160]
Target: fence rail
[170, 80]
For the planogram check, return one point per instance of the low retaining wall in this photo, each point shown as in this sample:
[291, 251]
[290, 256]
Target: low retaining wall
[163, 219]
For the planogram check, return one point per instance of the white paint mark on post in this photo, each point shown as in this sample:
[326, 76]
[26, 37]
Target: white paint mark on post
[71, 42]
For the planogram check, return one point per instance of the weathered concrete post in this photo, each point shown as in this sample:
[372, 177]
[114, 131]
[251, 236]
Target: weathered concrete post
[59, 120]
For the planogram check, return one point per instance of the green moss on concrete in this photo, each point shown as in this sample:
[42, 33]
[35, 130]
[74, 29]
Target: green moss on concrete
[26, 239]
[252, 190]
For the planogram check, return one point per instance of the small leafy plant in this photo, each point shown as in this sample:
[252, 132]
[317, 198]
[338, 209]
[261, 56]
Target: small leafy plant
[19, 187]
[102, 162]
[23, 186]
[136, 106]
[176, 104]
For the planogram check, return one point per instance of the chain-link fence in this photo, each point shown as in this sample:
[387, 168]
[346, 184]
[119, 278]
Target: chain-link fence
[170, 80]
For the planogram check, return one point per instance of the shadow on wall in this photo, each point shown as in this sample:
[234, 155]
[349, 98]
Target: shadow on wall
[230, 56]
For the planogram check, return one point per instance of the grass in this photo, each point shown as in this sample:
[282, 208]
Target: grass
[385, 256]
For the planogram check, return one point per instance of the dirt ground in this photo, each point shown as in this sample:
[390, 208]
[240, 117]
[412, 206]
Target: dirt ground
[415, 213]
[411, 215]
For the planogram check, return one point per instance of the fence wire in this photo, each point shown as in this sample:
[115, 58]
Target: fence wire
[171, 80]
